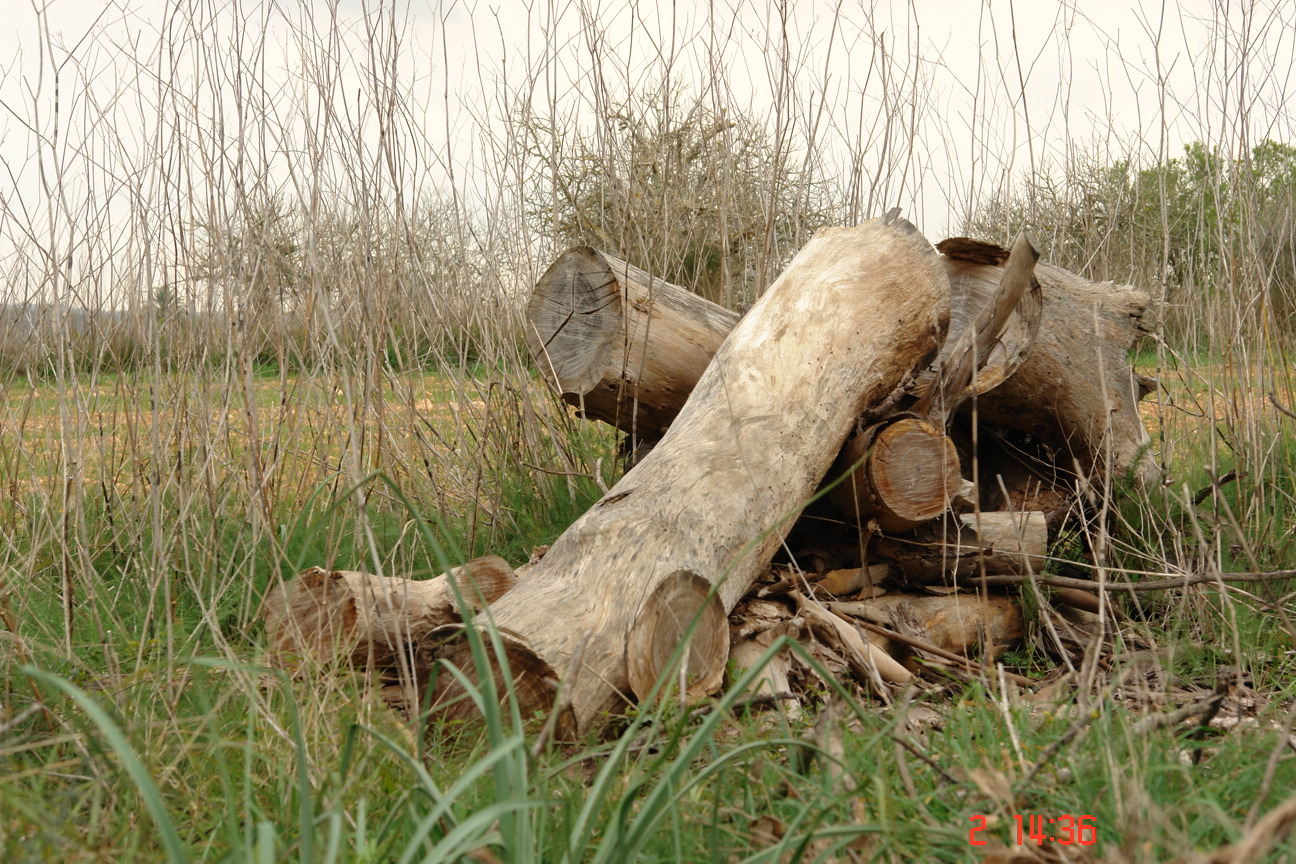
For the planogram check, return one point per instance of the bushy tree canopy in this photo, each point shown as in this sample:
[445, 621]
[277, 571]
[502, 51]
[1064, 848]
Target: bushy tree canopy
[704, 197]
[1202, 222]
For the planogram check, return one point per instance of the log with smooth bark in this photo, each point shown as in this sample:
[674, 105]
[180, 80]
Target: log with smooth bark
[854, 313]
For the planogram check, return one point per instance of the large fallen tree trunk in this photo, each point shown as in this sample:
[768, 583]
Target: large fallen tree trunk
[686, 531]
[1058, 370]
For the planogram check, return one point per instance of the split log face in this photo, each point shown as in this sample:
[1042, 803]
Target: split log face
[975, 283]
[969, 545]
[327, 614]
[717, 494]
[618, 344]
[907, 474]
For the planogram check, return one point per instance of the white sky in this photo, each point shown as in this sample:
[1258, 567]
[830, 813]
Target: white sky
[1006, 87]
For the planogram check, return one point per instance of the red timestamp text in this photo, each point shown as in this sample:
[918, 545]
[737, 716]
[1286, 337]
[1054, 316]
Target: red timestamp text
[1038, 829]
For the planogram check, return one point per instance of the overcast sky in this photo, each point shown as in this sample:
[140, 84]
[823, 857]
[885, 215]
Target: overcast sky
[1007, 88]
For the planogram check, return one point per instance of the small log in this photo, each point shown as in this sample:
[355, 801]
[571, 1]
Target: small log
[324, 615]
[969, 545]
[719, 492]
[905, 473]
[963, 624]
[619, 344]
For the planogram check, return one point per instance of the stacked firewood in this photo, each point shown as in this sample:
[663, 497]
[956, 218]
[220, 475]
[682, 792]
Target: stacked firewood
[843, 466]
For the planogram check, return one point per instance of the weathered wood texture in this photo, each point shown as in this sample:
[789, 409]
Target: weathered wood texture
[1041, 377]
[362, 618]
[853, 314]
[995, 315]
[618, 344]
[969, 544]
[901, 474]
[1075, 390]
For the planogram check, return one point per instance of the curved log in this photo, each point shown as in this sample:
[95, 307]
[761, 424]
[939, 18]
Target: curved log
[994, 317]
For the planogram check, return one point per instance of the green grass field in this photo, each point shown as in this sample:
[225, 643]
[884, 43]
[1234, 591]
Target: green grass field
[143, 724]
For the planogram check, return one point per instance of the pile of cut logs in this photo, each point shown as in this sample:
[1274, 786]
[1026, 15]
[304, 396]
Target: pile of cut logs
[843, 465]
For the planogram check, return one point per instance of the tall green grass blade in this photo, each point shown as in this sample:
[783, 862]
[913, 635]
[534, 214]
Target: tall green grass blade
[144, 784]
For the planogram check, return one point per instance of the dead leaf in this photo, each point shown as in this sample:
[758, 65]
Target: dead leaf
[994, 784]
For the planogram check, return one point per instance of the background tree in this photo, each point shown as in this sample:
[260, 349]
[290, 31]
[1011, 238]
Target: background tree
[705, 197]
[1196, 227]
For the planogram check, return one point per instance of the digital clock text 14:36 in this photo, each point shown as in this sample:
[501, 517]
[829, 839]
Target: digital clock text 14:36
[1082, 830]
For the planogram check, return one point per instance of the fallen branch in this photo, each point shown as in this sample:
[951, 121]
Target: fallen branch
[1205, 492]
[1282, 409]
[927, 760]
[1155, 585]
[1153, 722]
[921, 645]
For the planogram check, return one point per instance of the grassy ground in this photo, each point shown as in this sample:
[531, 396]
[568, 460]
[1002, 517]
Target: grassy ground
[236, 237]
[140, 723]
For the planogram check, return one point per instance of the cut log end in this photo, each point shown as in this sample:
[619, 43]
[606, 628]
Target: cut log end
[311, 616]
[682, 606]
[909, 474]
[618, 344]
